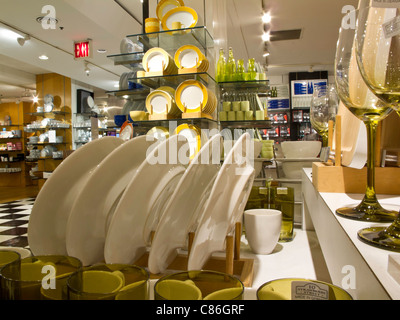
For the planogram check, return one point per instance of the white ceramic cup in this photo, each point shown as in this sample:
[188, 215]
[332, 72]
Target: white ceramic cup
[263, 227]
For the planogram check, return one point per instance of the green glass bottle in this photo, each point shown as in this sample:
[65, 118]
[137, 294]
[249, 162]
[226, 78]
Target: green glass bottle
[230, 73]
[251, 70]
[278, 198]
[284, 202]
[240, 71]
[221, 66]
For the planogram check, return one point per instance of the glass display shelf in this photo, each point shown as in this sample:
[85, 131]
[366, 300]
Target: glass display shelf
[5, 151]
[174, 80]
[172, 124]
[168, 40]
[90, 114]
[43, 114]
[256, 85]
[262, 124]
[14, 161]
[10, 125]
[30, 130]
[133, 94]
[132, 61]
[9, 172]
[47, 158]
[44, 143]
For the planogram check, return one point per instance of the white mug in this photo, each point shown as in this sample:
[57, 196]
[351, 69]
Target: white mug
[263, 228]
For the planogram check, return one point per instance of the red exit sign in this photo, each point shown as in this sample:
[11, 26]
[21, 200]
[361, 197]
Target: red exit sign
[82, 49]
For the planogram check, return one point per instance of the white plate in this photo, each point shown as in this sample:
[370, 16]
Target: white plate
[51, 210]
[225, 205]
[192, 97]
[127, 46]
[93, 209]
[123, 81]
[185, 15]
[185, 206]
[48, 107]
[45, 122]
[143, 199]
[189, 59]
[126, 132]
[157, 61]
[48, 98]
[90, 102]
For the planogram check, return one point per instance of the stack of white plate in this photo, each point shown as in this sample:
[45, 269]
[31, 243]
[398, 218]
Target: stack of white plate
[169, 11]
[187, 57]
[159, 60]
[162, 101]
[193, 96]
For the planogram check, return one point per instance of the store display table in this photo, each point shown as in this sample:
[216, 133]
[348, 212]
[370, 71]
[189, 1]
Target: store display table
[363, 269]
[300, 258]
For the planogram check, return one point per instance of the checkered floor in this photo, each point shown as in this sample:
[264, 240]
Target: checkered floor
[14, 218]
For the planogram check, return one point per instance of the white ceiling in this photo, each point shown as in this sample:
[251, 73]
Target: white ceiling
[107, 23]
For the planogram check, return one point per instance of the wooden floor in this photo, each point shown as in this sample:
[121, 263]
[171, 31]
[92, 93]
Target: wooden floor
[16, 193]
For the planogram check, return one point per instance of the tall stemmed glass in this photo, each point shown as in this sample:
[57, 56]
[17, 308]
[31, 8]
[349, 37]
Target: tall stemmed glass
[356, 96]
[324, 106]
[378, 57]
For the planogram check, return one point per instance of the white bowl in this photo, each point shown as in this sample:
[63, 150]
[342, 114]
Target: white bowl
[301, 149]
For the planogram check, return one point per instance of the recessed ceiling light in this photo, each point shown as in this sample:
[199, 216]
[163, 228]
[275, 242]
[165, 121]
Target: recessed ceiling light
[47, 19]
[266, 18]
[101, 50]
[266, 37]
[43, 57]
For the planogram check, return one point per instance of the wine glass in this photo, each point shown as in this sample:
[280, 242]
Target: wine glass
[356, 96]
[324, 106]
[378, 57]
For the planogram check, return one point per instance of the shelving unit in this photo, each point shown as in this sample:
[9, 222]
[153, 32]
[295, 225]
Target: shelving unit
[82, 129]
[301, 97]
[47, 164]
[198, 36]
[58, 124]
[244, 91]
[13, 173]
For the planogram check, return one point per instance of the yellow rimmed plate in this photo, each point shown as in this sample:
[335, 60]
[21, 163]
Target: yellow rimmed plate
[188, 57]
[185, 15]
[193, 134]
[158, 60]
[158, 133]
[166, 5]
[174, 110]
[191, 96]
[160, 102]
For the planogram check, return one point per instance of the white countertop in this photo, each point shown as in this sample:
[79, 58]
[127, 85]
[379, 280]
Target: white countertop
[288, 260]
[376, 259]
[300, 258]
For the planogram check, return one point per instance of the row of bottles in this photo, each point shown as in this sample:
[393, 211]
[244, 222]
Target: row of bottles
[278, 198]
[273, 92]
[228, 70]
